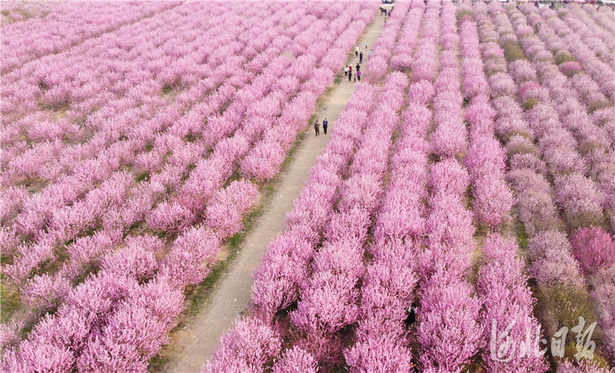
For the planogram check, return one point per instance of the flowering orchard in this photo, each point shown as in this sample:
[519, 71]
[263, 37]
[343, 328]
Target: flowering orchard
[134, 142]
[460, 218]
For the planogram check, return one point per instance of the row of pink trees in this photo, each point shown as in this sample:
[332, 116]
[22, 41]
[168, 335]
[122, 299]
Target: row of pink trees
[41, 210]
[601, 17]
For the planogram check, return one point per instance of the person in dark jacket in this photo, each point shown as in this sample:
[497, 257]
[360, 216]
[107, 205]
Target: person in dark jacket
[317, 128]
[325, 125]
[411, 312]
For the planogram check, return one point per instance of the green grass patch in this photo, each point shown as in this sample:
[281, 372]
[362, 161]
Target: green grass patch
[529, 104]
[513, 52]
[561, 306]
[143, 176]
[593, 106]
[168, 88]
[463, 15]
[561, 57]
[521, 235]
[338, 79]
[190, 137]
[26, 15]
[56, 107]
[9, 302]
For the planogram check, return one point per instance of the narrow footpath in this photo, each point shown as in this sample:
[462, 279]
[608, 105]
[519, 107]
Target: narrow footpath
[195, 344]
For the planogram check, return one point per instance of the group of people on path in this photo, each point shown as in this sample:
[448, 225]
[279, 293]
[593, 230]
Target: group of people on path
[384, 11]
[348, 69]
[325, 125]
[348, 72]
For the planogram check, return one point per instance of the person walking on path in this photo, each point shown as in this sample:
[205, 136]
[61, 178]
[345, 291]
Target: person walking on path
[359, 75]
[317, 128]
[325, 125]
[361, 57]
[369, 54]
[350, 69]
[346, 70]
[350, 76]
[356, 51]
[385, 19]
[366, 42]
[358, 67]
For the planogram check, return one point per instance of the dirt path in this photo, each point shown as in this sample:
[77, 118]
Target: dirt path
[195, 344]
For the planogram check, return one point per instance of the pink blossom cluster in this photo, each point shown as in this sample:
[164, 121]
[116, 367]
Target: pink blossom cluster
[283, 278]
[247, 348]
[588, 48]
[37, 214]
[322, 310]
[575, 97]
[581, 201]
[449, 138]
[583, 366]
[537, 210]
[183, 155]
[473, 78]
[594, 248]
[277, 281]
[599, 16]
[553, 262]
[114, 320]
